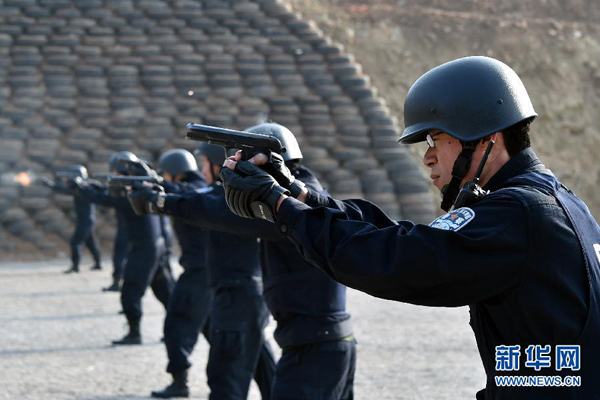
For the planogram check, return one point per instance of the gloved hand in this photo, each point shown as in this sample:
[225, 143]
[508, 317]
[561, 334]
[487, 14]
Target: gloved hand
[141, 168]
[75, 183]
[277, 169]
[146, 199]
[251, 192]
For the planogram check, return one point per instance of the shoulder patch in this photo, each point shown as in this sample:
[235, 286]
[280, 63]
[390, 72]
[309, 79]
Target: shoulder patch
[455, 220]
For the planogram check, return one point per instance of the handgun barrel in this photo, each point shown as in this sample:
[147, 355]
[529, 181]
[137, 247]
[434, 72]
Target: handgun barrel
[120, 180]
[230, 138]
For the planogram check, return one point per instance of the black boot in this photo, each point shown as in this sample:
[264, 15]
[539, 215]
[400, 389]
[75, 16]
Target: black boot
[115, 287]
[74, 268]
[96, 267]
[133, 337]
[178, 388]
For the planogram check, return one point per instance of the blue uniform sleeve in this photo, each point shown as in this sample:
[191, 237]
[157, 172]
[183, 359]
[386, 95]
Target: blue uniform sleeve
[355, 209]
[208, 210]
[99, 195]
[58, 188]
[179, 187]
[417, 264]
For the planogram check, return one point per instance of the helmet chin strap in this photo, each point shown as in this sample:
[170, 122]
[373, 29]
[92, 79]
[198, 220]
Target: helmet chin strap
[459, 171]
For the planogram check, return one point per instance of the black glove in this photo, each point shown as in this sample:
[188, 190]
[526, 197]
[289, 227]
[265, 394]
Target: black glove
[74, 184]
[141, 168]
[251, 192]
[146, 200]
[277, 169]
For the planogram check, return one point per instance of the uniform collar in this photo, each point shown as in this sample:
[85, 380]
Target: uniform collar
[524, 161]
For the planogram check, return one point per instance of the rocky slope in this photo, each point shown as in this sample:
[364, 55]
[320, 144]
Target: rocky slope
[553, 45]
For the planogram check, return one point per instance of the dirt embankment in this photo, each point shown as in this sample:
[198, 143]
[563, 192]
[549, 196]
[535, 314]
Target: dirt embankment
[553, 45]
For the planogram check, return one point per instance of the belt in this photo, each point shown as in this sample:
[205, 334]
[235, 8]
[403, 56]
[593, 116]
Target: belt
[348, 338]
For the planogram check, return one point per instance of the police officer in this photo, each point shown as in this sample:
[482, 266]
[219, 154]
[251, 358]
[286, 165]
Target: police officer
[188, 310]
[522, 250]
[238, 314]
[313, 327]
[146, 247]
[85, 213]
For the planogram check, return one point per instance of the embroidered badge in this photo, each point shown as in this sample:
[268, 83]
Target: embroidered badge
[455, 220]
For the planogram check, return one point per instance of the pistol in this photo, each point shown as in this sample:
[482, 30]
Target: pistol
[65, 174]
[249, 143]
[125, 180]
[119, 184]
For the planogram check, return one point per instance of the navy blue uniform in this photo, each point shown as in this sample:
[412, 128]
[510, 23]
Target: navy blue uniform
[309, 307]
[169, 240]
[120, 250]
[522, 259]
[85, 213]
[238, 317]
[146, 248]
[188, 311]
[237, 311]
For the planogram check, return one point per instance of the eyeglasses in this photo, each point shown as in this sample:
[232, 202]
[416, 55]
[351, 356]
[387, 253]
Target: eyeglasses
[431, 139]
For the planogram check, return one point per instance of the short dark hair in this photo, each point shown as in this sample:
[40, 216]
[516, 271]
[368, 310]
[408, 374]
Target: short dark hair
[516, 137]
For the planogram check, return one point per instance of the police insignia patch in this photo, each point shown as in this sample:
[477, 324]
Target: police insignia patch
[455, 220]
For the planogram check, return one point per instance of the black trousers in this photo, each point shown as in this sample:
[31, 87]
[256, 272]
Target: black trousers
[120, 250]
[189, 314]
[238, 351]
[317, 371]
[143, 269]
[84, 234]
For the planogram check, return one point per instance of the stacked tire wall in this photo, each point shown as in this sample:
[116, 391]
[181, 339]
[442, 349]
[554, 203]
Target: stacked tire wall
[82, 79]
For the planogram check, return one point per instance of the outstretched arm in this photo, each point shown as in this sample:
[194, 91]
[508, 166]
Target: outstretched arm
[417, 264]
[208, 210]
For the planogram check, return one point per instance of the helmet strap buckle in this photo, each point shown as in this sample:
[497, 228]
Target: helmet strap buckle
[459, 171]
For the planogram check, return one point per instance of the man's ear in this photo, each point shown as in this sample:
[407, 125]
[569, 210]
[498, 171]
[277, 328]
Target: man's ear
[493, 137]
[485, 141]
[216, 169]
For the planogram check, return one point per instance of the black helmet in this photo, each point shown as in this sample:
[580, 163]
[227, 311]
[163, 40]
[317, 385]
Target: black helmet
[118, 161]
[469, 98]
[215, 154]
[177, 161]
[73, 171]
[286, 137]
[78, 170]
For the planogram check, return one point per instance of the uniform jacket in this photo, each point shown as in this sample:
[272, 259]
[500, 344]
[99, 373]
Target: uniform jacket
[84, 210]
[192, 239]
[309, 306]
[515, 258]
[232, 259]
[144, 232]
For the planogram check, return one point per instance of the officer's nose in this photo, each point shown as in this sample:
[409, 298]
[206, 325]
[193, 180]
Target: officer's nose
[430, 159]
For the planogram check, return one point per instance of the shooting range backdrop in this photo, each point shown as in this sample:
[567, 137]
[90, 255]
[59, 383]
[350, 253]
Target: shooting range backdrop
[82, 79]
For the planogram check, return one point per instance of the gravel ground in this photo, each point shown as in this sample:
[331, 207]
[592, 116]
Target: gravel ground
[56, 329]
